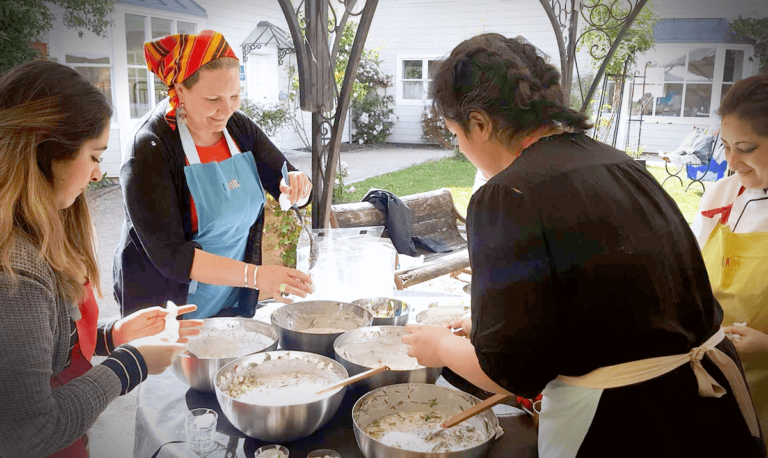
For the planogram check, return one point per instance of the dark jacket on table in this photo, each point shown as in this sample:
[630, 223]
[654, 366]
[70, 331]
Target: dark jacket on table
[153, 259]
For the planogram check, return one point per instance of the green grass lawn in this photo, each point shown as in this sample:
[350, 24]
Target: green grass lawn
[458, 176]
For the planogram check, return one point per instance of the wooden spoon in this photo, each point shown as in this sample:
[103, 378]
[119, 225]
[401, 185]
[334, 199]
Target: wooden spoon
[355, 378]
[466, 415]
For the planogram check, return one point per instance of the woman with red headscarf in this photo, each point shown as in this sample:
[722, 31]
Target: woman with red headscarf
[194, 183]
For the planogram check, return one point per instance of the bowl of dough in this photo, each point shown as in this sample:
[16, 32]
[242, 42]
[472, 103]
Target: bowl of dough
[221, 341]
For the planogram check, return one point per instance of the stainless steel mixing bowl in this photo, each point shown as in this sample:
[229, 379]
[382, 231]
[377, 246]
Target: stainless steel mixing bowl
[281, 423]
[442, 315]
[378, 305]
[420, 374]
[419, 397]
[292, 320]
[198, 373]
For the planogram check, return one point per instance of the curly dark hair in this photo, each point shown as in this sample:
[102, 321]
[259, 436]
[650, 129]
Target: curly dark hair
[506, 79]
[748, 101]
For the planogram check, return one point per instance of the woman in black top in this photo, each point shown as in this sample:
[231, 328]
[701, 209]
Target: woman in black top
[580, 261]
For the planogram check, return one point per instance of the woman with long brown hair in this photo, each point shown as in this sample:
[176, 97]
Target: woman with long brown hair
[54, 127]
[586, 281]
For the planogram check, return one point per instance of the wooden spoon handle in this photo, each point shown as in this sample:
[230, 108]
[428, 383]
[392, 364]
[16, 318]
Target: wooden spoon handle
[476, 409]
[355, 378]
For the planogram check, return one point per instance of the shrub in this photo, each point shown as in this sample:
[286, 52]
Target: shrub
[269, 117]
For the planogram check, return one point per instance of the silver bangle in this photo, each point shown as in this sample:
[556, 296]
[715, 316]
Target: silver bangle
[245, 276]
[255, 268]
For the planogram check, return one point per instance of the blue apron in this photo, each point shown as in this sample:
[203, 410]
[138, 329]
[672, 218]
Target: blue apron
[229, 198]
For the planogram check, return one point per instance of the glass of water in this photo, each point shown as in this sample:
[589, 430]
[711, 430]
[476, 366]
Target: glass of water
[200, 426]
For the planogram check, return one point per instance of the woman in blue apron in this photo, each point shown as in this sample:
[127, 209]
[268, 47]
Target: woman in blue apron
[587, 283]
[194, 183]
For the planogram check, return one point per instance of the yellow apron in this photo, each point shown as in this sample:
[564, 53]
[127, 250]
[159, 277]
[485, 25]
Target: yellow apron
[738, 271]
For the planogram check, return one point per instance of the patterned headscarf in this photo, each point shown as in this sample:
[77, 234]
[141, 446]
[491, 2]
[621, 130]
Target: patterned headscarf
[175, 57]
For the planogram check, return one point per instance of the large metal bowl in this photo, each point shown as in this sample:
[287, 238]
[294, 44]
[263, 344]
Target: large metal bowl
[419, 397]
[442, 315]
[386, 345]
[379, 305]
[292, 320]
[198, 373]
[281, 423]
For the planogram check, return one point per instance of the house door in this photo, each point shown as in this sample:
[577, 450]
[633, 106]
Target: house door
[261, 76]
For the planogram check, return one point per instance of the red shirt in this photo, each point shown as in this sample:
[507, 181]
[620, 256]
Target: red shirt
[215, 153]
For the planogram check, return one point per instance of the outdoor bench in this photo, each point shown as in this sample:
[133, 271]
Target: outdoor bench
[433, 214]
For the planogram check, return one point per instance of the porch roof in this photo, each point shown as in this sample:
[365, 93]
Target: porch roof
[188, 7]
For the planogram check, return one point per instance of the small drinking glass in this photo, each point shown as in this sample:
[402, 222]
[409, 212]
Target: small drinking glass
[272, 451]
[324, 453]
[200, 426]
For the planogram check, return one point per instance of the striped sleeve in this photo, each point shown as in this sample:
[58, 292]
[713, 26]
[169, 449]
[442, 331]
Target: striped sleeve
[104, 343]
[129, 366]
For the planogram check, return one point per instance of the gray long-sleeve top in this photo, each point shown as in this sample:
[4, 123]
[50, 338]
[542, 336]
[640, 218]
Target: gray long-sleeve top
[35, 419]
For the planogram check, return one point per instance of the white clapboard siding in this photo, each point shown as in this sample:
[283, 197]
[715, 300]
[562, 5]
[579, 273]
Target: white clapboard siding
[683, 9]
[110, 163]
[434, 28]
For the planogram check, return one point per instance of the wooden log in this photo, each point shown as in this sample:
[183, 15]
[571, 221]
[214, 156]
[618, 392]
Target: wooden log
[444, 266]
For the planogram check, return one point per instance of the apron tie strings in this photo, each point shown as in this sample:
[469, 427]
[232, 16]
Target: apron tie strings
[640, 371]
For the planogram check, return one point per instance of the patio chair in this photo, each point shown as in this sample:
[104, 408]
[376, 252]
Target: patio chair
[694, 155]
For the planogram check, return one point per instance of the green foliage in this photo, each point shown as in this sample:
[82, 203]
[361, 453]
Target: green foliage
[287, 230]
[753, 30]
[635, 152]
[637, 40]
[269, 117]
[25, 21]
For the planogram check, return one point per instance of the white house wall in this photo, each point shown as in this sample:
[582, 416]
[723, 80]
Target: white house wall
[730, 9]
[433, 28]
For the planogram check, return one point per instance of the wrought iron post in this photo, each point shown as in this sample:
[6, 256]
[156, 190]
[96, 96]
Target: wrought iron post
[564, 16]
[318, 92]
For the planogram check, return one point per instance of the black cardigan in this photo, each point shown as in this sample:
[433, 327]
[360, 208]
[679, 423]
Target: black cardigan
[153, 259]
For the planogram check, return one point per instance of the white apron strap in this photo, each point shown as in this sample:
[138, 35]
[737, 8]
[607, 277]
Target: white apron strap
[189, 145]
[640, 371]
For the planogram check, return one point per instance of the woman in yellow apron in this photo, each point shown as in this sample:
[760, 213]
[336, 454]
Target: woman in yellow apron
[732, 228]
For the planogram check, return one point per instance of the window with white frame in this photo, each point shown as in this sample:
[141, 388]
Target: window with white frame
[91, 57]
[687, 81]
[145, 92]
[414, 75]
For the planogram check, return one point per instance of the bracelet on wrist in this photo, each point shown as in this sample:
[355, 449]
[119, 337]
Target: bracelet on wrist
[255, 269]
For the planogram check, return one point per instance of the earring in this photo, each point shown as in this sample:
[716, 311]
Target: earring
[181, 115]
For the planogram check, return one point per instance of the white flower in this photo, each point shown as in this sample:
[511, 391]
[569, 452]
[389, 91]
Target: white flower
[351, 189]
[336, 181]
[360, 141]
[364, 118]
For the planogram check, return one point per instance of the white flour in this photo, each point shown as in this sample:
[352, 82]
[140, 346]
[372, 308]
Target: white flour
[405, 430]
[322, 330]
[228, 343]
[381, 348]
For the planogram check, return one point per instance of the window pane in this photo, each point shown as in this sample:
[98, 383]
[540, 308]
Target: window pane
[161, 90]
[725, 89]
[701, 65]
[644, 104]
[161, 27]
[86, 58]
[697, 100]
[669, 104]
[433, 66]
[186, 27]
[672, 62]
[734, 65]
[134, 39]
[412, 90]
[100, 78]
[139, 95]
[412, 69]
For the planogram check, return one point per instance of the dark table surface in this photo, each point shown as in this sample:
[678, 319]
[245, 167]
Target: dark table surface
[163, 400]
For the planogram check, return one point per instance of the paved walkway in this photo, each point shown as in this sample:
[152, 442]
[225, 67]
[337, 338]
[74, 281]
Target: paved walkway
[112, 435]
